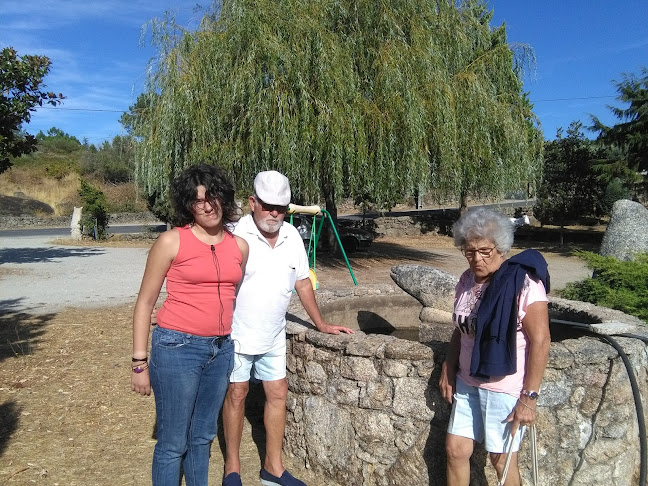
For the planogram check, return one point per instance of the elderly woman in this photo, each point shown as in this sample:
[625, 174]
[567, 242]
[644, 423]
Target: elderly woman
[499, 348]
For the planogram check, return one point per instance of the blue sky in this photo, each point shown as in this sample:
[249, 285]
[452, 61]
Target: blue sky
[98, 63]
[581, 46]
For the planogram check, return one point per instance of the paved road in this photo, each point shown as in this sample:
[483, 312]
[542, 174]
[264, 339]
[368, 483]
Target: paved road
[65, 232]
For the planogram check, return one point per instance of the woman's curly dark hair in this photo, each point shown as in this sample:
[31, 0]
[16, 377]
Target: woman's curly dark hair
[218, 187]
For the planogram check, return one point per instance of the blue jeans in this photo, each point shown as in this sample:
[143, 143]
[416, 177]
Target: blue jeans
[189, 376]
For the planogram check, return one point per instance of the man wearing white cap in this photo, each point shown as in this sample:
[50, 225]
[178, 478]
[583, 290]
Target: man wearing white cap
[277, 264]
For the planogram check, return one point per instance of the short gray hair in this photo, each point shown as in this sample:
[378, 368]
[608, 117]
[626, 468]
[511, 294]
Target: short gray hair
[484, 223]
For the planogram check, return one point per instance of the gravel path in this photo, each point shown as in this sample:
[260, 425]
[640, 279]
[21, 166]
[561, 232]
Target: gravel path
[40, 277]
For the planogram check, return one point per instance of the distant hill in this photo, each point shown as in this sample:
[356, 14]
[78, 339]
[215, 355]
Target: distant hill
[52, 176]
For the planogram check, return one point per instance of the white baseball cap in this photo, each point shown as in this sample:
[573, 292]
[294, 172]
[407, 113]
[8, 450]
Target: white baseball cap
[272, 187]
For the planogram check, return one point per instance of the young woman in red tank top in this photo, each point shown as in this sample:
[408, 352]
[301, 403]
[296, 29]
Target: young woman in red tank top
[191, 352]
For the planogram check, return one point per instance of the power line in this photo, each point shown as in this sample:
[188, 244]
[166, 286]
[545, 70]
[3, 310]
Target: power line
[124, 111]
[78, 109]
[571, 99]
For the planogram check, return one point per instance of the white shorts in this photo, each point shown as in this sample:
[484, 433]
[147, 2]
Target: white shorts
[269, 366]
[480, 415]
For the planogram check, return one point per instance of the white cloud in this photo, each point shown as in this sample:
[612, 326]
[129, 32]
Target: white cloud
[53, 14]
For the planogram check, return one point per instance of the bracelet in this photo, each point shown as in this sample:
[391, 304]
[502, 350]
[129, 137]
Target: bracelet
[139, 369]
[137, 360]
[530, 408]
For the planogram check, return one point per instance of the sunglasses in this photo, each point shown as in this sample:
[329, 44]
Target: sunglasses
[271, 207]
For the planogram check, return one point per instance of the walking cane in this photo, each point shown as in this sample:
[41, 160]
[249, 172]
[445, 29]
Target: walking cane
[534, 456]
[508, 458]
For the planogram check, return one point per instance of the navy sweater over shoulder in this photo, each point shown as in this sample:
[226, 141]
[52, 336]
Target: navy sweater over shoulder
[494, 352]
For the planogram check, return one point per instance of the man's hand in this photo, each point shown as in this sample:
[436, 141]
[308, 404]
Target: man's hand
[307, 296]
[333, 329]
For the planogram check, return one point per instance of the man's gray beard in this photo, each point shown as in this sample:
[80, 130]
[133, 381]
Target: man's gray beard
[269, 227]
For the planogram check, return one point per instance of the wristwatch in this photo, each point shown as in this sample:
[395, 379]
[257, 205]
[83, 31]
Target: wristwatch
[530, 394]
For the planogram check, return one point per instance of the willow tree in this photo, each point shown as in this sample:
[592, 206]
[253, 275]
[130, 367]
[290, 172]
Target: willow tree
[349, 98]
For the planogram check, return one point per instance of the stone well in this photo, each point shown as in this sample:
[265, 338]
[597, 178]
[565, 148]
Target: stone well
[366, 410]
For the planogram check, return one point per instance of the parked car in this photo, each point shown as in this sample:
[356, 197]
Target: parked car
[352, 238]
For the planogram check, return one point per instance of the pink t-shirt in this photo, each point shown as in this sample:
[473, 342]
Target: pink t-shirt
[467, 300]
[201, 284]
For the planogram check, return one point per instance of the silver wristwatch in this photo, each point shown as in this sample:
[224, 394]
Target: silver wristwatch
[530, 394]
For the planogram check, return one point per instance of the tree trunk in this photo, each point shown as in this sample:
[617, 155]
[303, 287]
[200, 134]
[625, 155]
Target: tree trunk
[463, 203]
[331, 207]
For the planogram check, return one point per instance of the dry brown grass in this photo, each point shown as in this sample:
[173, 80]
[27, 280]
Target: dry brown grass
[61, 195]
[67, 414]
[123, 197]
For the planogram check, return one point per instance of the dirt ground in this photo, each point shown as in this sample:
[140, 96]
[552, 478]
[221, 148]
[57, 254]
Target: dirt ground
[68, 416]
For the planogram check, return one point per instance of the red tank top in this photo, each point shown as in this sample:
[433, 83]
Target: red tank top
[200, 285]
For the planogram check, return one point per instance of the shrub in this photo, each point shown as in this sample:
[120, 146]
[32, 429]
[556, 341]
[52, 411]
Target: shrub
[116, 172]
[60, 169]
[621, 285]
[108, 170]
[614, 191]
[95, 212]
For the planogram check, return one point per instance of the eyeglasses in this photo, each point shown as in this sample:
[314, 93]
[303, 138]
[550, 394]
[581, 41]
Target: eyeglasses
[271, 207]
[484, 252]
[200, 204]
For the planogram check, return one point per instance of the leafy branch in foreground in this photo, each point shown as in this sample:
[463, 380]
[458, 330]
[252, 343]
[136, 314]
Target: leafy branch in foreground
[21, 91]
[621, 285]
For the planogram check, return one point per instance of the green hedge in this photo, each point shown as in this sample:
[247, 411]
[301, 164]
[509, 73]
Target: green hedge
[621, 285]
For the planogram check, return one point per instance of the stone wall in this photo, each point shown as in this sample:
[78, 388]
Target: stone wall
[366, 410]
[13, 222]
[27, 222]
[416, 223]
[438, 221]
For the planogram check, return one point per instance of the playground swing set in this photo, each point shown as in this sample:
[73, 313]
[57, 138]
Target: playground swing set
[315, 232]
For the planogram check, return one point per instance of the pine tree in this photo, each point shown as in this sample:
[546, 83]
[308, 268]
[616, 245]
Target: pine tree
[627, 141]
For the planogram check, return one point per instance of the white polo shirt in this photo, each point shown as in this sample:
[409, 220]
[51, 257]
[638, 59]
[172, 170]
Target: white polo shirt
[259, 323]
